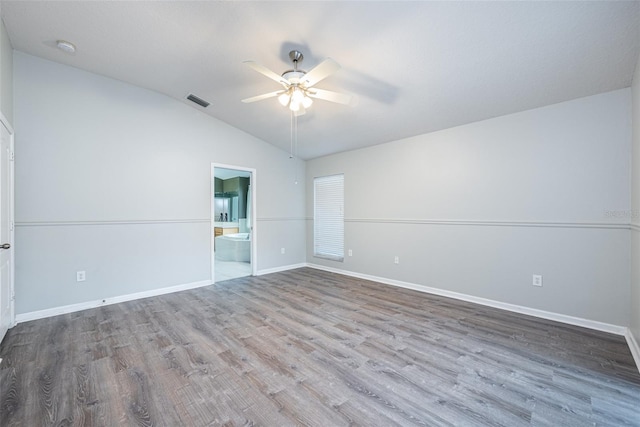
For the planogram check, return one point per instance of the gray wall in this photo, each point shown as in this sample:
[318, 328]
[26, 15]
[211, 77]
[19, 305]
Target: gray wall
[479, 208]
[635, 210]
[115, 180]
[6, 74]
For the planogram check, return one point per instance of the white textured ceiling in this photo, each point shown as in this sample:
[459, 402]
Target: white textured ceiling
[415, 67]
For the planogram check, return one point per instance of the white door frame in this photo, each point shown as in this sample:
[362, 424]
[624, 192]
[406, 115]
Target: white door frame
[12, 318]
[254, 225]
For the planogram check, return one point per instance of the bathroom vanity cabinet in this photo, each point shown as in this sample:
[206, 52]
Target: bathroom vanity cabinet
[219, 231]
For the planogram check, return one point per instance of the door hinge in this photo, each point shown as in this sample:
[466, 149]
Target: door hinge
[12, 225]
[12, 156]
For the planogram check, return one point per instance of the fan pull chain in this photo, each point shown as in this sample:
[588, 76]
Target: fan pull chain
[291, 137]
[294, 145]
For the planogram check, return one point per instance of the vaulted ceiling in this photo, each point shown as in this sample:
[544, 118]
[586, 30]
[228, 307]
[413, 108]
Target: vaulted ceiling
[415, 67]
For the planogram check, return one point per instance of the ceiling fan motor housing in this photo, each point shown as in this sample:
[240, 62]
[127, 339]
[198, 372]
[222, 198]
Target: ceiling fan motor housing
[294, 76]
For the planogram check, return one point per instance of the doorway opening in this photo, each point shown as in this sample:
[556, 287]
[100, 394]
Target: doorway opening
[233, 213]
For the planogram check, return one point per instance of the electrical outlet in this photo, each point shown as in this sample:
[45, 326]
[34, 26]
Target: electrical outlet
[350, 252]
[537, 280]
[396, 260]
[282, 251]
[81, 276]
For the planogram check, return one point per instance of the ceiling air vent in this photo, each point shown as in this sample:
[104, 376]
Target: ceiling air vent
[201, 102]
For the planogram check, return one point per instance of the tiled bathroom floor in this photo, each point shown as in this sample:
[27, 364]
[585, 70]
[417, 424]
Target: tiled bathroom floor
[226, 270]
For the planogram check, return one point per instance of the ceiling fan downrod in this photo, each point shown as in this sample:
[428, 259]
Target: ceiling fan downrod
[296, 56]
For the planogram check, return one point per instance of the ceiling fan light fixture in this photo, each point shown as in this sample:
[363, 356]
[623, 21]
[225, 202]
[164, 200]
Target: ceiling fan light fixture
[297, 99]
[297, 96]
[306, 102]
[284, 99]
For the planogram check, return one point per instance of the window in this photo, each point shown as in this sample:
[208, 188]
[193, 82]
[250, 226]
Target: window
[328, 217]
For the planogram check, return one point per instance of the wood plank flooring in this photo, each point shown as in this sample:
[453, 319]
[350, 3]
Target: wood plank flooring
[307, 347]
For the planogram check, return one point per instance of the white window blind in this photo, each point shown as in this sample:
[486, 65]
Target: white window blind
[328, 217]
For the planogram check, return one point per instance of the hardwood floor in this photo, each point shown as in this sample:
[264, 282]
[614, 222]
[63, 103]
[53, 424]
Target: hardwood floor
[307, 347]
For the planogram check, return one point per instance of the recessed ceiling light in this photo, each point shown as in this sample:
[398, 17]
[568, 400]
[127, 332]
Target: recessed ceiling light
[66, 46]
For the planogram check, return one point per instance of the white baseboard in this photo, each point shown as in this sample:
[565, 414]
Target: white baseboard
[279, 269]
[563, 318]
[634, 347]
[55, 311]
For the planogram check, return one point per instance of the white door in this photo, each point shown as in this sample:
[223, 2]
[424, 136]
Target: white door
[6, 229]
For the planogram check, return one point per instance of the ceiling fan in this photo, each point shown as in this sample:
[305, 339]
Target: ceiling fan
[298, 91]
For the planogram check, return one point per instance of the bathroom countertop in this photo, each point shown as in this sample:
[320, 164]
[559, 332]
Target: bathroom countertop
[226, 224]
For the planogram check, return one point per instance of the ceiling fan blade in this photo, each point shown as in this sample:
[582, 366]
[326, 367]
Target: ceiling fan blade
[328, 95]
[320, 71]
[267, 72]
[263, 96]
